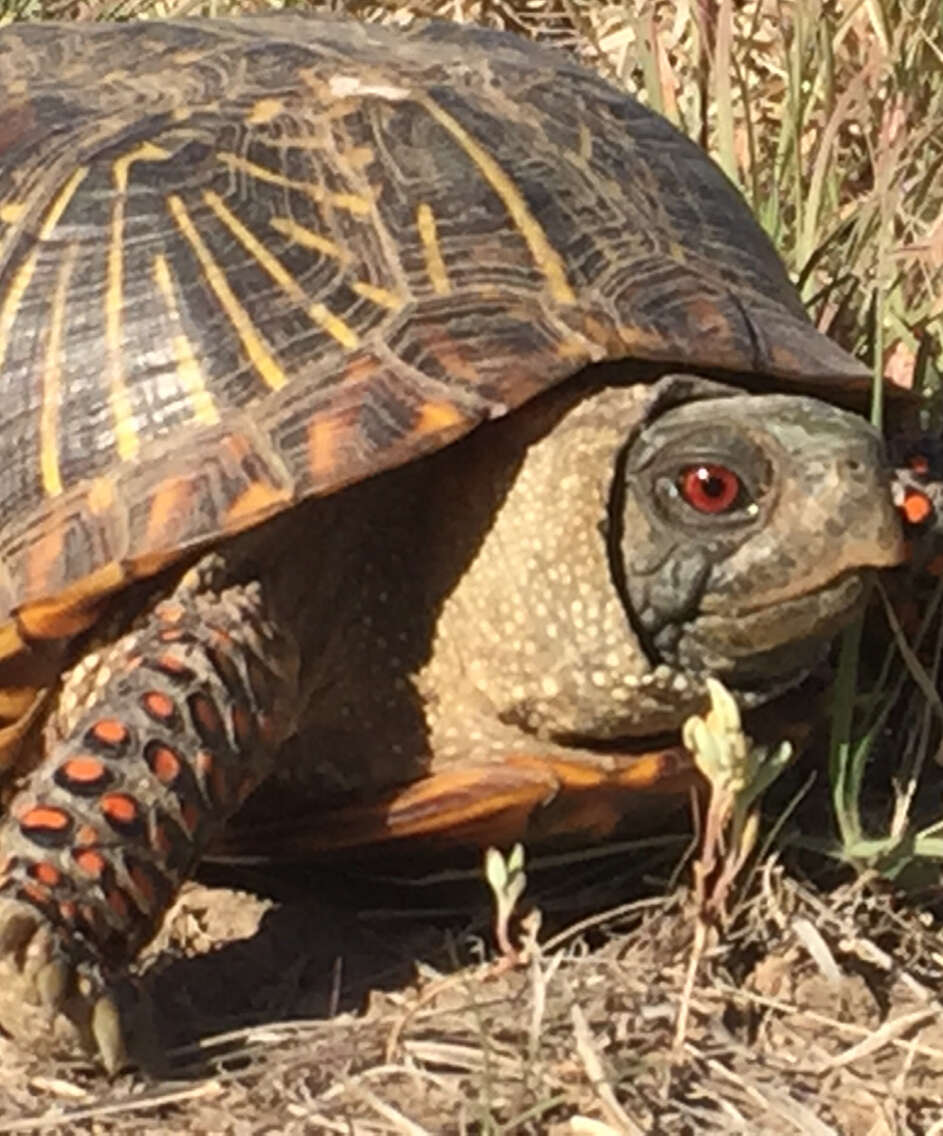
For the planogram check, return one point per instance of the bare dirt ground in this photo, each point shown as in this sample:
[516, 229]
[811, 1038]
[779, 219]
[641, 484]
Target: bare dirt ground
[816, 1012]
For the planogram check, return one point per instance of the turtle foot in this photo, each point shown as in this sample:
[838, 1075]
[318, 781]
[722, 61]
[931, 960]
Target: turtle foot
[54, 994]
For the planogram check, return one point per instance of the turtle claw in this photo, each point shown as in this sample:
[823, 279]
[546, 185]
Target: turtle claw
[108, 1034]
[47, 996]
[52, 983]
[16, 931]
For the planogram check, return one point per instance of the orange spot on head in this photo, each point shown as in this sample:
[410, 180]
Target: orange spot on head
[919, 464]
[916, 507]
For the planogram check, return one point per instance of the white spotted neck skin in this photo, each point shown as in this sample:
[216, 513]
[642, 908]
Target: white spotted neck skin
[535, 628]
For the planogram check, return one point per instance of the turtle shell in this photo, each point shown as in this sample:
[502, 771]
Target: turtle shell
[244, 262]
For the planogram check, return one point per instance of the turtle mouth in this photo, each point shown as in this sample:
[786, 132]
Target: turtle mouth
[762, 650]
[815, 614]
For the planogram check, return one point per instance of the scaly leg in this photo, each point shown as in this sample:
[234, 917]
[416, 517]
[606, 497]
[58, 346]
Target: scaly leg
[155, 741]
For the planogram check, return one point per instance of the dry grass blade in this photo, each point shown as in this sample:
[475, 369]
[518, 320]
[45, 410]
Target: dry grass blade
[615, 1114]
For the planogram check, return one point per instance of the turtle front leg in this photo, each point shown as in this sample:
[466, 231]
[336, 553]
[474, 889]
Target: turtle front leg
[156, 740]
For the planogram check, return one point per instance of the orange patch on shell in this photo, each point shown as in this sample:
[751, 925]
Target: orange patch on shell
[258, 501]
[169, 504]
[448, 353]
[15, 701]
[437, 416]
[75, 607]
[324, 436]
[11, 641]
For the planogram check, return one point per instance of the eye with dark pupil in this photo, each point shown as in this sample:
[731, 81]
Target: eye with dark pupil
[709, 488]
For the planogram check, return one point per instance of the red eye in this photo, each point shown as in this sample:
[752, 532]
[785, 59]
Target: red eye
[709, 488]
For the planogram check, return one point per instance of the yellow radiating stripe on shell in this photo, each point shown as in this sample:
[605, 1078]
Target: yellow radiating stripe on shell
[188, 369]
[261, 358]
[429, 235]
[317, 312]
[545, 256]
[353, 202]
[22, 275]
[381, 296]
[52, 373]
[264, 110]
[126, 435]
[307, 238]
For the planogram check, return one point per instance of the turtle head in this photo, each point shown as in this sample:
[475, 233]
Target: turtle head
[640, 537]
[746, 528]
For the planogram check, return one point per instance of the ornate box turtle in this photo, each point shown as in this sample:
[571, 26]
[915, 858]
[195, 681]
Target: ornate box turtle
[247, 267]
